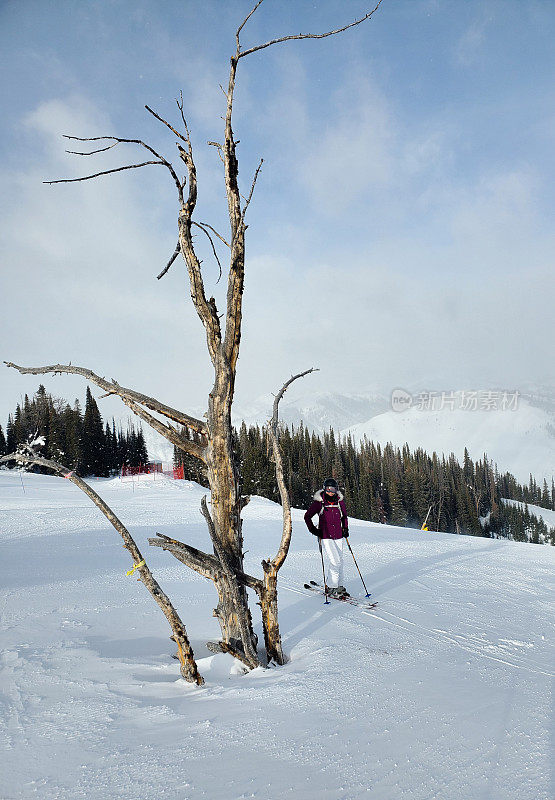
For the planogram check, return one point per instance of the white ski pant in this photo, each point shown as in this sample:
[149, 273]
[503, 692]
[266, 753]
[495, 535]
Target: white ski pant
[333, 548]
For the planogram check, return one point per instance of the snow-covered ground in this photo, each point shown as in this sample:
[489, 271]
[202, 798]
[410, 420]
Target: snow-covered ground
[442, 693]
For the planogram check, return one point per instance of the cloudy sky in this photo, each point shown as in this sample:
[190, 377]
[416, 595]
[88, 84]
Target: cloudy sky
[402, 225]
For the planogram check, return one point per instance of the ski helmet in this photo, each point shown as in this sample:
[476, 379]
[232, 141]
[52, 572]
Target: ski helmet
[331, 483]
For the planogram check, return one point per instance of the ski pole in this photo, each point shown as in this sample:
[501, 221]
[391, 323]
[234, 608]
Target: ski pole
[327, 602]
[356, 565]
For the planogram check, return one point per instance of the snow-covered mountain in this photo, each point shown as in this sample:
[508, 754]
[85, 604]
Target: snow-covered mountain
[441, 692]
[520, 441]
[318, 411]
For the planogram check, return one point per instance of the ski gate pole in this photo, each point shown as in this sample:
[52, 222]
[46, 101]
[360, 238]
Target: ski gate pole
[327, 602]
[356, 565]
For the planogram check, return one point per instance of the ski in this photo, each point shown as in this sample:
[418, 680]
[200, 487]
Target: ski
[319, 585]
[317, 588]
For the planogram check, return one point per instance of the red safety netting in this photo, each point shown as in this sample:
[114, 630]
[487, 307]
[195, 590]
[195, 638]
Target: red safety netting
[153, 468]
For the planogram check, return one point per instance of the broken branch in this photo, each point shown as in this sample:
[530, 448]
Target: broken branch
[112, 387]
[170, 262]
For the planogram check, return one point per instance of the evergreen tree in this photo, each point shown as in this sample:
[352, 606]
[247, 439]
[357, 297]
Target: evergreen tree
[140, 447]
[11, 443]
[56, 447]
[387, 485]
[94, 455]
[545, 499]
[73, 426]
[398, 515]
[110, 448]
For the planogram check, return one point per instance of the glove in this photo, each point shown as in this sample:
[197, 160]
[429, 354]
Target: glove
[315, 532]
[346, 533]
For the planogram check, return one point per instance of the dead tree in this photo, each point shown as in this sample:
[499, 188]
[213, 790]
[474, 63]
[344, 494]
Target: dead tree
[271, 567]
[27, 456]
[215, 451]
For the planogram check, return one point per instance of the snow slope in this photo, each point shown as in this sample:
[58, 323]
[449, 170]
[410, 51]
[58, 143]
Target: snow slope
[520, 441]
[546, 514]
[442, 694]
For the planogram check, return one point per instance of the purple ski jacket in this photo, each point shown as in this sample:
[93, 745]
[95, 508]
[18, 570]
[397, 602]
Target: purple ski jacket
[332, 517]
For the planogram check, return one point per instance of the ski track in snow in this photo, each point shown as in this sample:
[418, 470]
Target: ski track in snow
[442, 692]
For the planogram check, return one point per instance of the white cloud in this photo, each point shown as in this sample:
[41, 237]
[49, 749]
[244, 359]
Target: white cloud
[350, 155]
[81, 264]
[470, 45]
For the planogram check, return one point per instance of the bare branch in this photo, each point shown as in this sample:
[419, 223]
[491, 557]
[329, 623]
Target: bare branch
[167, 124]
[205, 564]
[112, 387]
[205, 310]
[92, 152]
[271, 567]
[170, 262]
[250, 193]
[306, 35]
[180, 107]
[217, 145]
[118, 140]
[168, 432]
[198, 225]
[214, 231]
[279, 395]
[242, 25]
[105, 172]
[188, 665]
[281, 555]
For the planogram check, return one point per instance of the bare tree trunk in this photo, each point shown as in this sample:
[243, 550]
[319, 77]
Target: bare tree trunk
[268, 596]
[270, 623]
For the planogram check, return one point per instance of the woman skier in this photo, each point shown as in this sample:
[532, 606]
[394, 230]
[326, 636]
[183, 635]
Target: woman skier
[333, 527]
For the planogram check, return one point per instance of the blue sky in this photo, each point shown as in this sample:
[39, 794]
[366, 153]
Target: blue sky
[401, 229]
